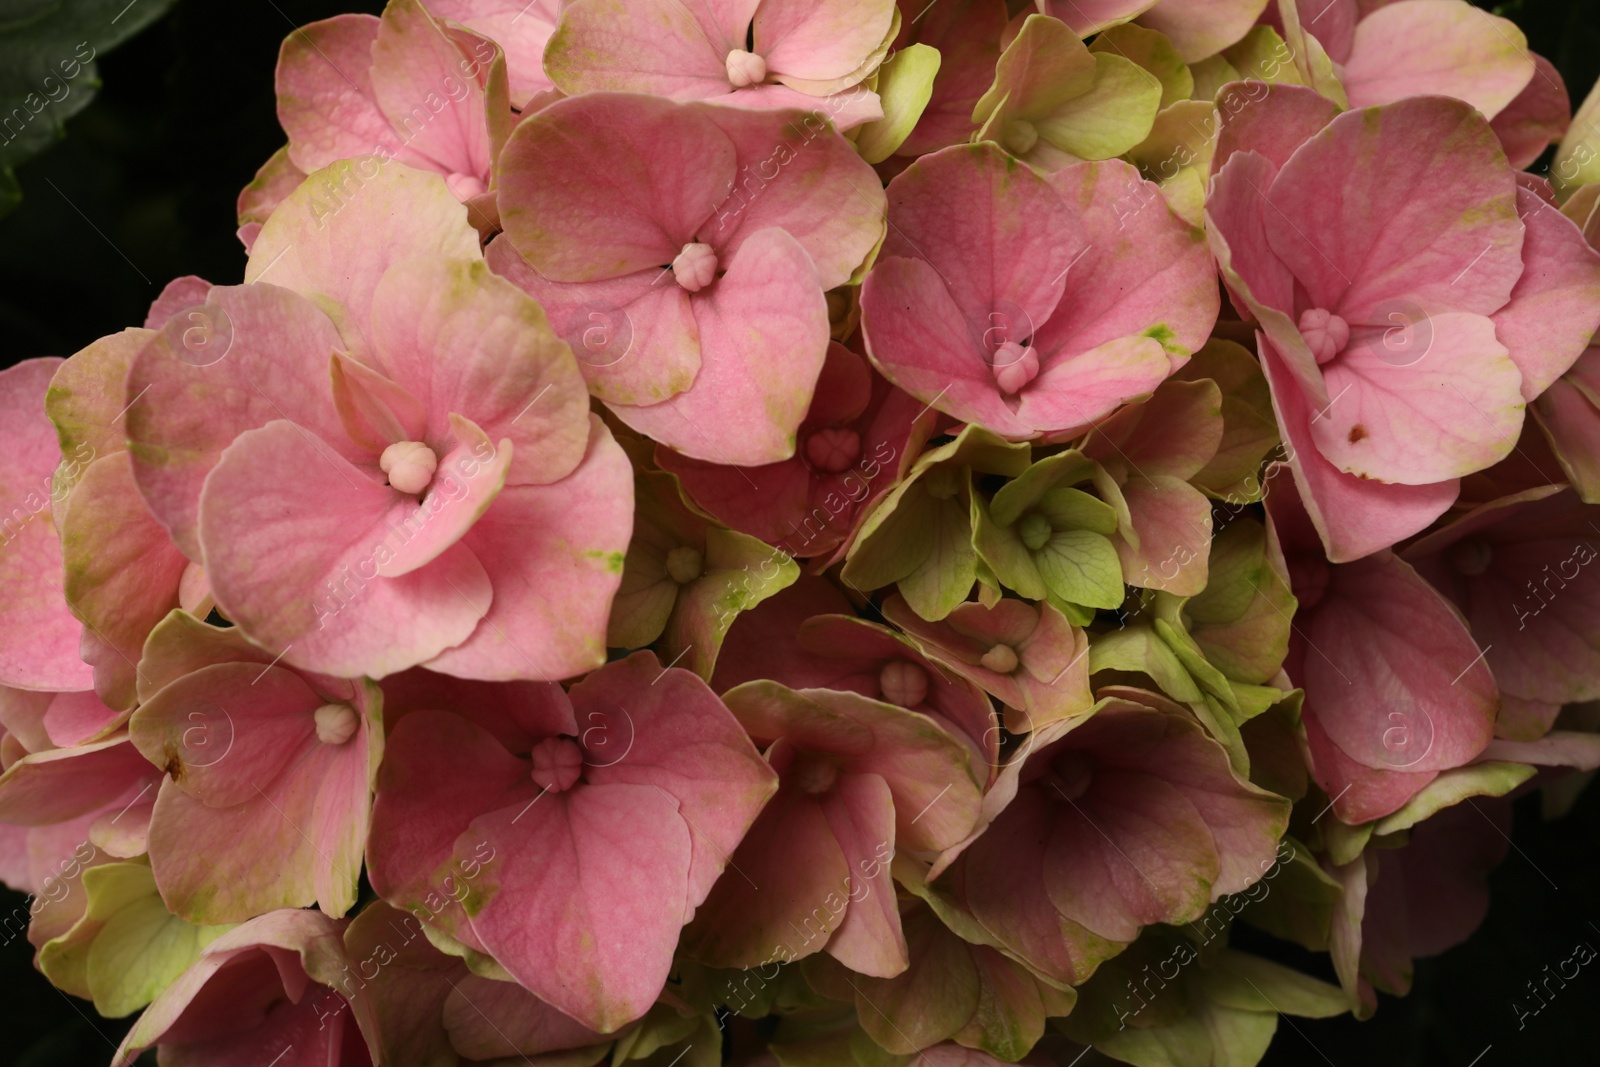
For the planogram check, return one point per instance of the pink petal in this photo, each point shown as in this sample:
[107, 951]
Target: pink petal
[585, 909]
[921, 340]
[1426, 213]
[375, 412]
[1555, 307]
[797, 174]
[861, 815]
[176, 295]
[185, 407]
[488, 1020]
[416, 75]
[306, 536]
[1004, 264]
[465, 341]
[1173, 521]
[647, 46]
[1436, 48]
[39, 646]
[66, 783]
[122, 570]
[787, 893]
[1203, 29]
[1394, 676]
[635, 337]
[819, 40]
[325, 99]
[553, 558]
[1455, 409]
[764, 336]
[439, 772]
[1271, 120]
[1537, 116]
[675, 736]
[1086, 17]
[336, 235]
[601, 186]
[522, 29]
[1354, 516]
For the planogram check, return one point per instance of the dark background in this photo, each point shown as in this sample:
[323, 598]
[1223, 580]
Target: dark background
[144, 190]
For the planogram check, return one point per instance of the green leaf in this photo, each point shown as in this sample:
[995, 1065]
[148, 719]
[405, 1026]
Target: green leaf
[1081, 567]
[48, 72]
[905, 85]
[1299, 902]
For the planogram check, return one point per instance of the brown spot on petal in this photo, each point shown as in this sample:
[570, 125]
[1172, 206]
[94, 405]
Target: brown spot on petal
[1357, 432]
[173, 768]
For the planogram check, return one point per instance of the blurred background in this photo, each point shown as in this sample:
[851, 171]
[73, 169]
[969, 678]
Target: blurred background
[142, 190]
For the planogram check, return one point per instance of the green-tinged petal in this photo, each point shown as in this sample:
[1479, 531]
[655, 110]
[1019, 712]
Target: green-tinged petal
[1262, 55]
[1492, 779]
[1081, 567]
[1152, 51]
[1073, 509]
[127, 947]
[1240, 980]
[1003, 551]
[1242, 621]
[1137, 650]
[945, 576]
[895, 540]
[905, 84]
[1045, 66]
[740, 572]
[1577, 161]
[1298, 902]
[1177, 156]
[1111, 118]
[1027, 488]
[1211, 74]
[1250, 431]
[661, 523]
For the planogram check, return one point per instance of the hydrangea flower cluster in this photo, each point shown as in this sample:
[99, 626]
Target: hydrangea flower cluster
[817, 532]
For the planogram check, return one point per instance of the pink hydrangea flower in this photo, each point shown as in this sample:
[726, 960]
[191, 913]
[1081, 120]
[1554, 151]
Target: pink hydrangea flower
[855, 438]
[1102, 825]
[1520, 571]
[279, 985]
[389, 459]
[123, 573]
[1396, 689]
[808, 637]
[755, 54]
[690, 283]
[606, 818]
[64, 810]
[256, 756]
[407, 87]
[521, 28]
[860, 779]
[38, 634]
[1392, 49]
[1402, 333]
[1032, 305]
